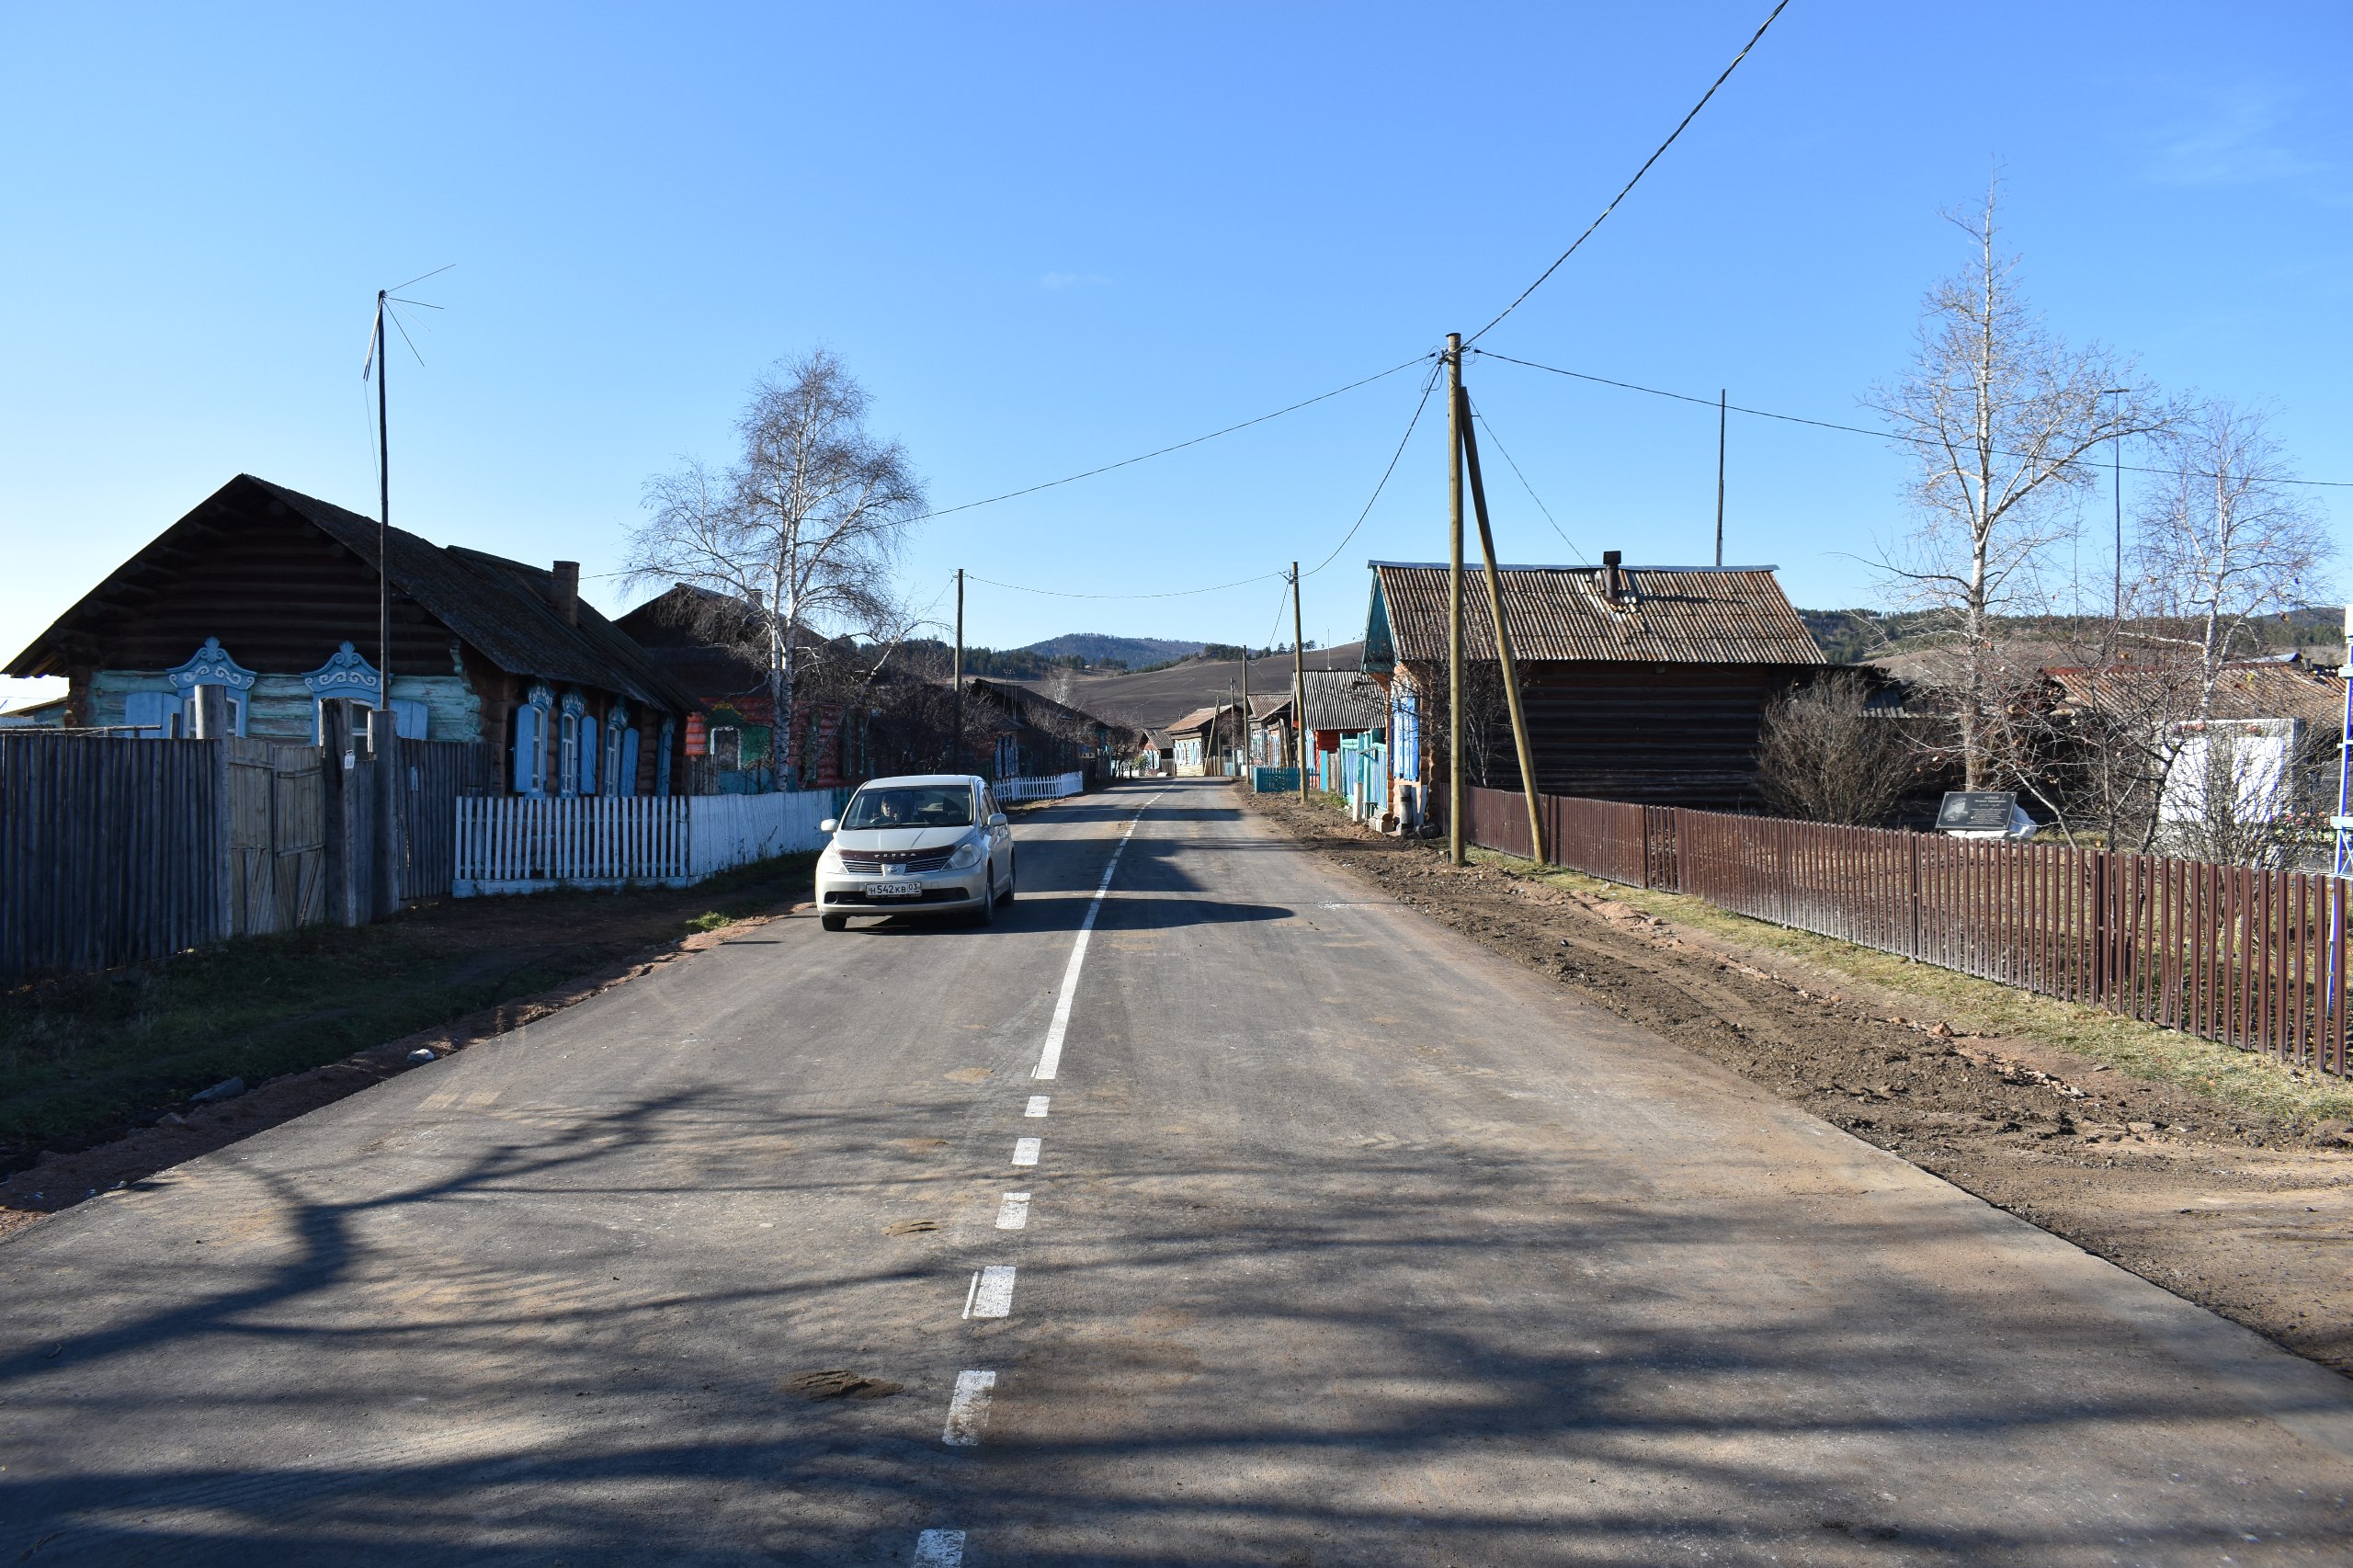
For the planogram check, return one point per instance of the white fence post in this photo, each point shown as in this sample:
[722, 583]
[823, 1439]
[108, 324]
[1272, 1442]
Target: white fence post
[515, 843]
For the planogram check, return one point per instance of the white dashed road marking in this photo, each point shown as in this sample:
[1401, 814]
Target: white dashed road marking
[1037, 1105]
[992, 1295]
[1013, 1212]
[1049, 1061]
[1025, 1151]
[968, 1412]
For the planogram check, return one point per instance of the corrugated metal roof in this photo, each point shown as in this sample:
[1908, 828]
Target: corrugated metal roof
[2265, 689]
[1343, 700]
[1670, 615]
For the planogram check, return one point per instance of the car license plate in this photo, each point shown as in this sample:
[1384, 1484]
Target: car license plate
[896, 890]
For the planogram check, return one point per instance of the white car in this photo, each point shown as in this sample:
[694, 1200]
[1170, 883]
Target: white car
[933, 843]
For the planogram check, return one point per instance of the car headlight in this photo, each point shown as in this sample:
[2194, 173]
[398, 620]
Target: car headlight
[830, 861]
[967, 855]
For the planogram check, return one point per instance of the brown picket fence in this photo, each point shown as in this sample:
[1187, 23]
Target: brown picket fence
[2250, 957]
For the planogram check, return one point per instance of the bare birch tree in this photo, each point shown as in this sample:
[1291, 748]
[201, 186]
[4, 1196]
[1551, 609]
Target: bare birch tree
[2000, 415]
[804, 527]
[2228, 538]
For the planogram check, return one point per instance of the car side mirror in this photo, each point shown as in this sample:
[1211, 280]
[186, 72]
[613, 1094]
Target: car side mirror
[997, 819]
[829, 824]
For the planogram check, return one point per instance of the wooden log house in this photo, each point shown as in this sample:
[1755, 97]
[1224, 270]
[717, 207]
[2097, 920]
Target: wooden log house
[272, 594]
[1639, 683]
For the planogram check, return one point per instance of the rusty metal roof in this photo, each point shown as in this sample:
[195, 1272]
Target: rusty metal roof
[1343, 700]
[1667, 615]
[2268, 689]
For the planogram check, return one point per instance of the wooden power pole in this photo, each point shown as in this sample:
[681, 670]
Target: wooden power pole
[1246, 709]
[956, 753]
[1502, 635]
[383, 517]
[1454, 599]
[1298, 687]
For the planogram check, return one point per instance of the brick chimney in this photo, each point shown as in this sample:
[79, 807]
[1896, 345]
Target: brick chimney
[565, 592]
[1613, 577]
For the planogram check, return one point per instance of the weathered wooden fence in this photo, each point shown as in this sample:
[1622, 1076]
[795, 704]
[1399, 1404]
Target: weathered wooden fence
[2255, 958]
[107, 851]
[510, 844]
[116, 850]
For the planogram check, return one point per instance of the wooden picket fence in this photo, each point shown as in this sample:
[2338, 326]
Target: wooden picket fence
[2250, 957]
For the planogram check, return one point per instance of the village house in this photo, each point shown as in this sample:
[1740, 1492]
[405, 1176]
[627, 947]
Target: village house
[272, 594]
[1031, 736]
[1639, 683]
[1340, 704]
[1205, 742]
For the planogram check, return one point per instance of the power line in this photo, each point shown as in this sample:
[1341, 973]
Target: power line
[1833, 424]
[1163, 451]
[1638, 174]
[1429, 382]
[1174, 594]
[1479, 415]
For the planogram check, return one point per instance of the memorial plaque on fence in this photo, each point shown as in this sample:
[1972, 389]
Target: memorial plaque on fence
[1976, 810]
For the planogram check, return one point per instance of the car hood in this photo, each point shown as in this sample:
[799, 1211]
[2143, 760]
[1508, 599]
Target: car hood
[906, 840]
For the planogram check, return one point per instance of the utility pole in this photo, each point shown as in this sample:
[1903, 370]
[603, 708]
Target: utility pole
[956, 754]
[1503, 637]
[1454, 599]
[1721, 392]
[383, 517]
[1298, 687]
[1245, 708]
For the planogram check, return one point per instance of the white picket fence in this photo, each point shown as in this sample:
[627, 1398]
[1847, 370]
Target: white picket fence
[1010, 791]
[516, 844]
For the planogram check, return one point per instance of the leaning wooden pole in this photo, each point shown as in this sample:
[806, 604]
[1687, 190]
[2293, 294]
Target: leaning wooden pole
[1503, 633]
[1454, 599]
[1298, 688]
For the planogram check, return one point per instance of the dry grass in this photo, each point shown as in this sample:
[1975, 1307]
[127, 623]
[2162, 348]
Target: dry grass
[2223, 1073]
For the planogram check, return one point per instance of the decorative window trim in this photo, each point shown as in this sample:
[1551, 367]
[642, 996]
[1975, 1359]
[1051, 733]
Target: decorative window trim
[346, 674]
[211, 665]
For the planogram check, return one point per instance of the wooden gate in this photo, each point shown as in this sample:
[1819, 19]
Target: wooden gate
[277, 837]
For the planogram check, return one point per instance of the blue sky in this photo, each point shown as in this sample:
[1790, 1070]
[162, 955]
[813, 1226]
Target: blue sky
[1051, 237]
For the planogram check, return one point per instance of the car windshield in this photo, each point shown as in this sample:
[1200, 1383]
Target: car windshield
[911, 806]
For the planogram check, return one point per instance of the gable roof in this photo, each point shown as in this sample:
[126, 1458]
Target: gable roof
[1345, 699]
[1734, 615]
[505, 608]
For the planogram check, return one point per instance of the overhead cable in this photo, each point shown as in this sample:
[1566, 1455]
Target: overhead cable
[1428, 383]
[1833, 424]
[1180, 446]
[1497, 441]
[1638, 174]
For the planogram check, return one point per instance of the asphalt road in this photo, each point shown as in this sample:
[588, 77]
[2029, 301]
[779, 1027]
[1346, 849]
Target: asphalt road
[1346, 1243]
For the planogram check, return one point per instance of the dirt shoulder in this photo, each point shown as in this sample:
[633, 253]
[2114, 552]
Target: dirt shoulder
[98, 1073]
[2211, 1173]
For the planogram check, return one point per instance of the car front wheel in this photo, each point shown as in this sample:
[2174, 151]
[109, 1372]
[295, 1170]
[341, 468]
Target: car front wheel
[986, 914]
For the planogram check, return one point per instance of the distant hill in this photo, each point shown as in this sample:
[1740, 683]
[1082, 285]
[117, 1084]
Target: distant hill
[1854, 636]
[1152, 699]
[1101, 648]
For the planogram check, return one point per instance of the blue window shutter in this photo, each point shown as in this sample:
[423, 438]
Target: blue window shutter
[154, 711]
[627, 783]
[410, 717]
[527, 745]
[590, 740]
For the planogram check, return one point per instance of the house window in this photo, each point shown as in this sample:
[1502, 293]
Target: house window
[531, 740]
[727, 746]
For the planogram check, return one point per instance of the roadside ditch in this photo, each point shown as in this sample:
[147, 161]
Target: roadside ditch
[2218, 1175]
